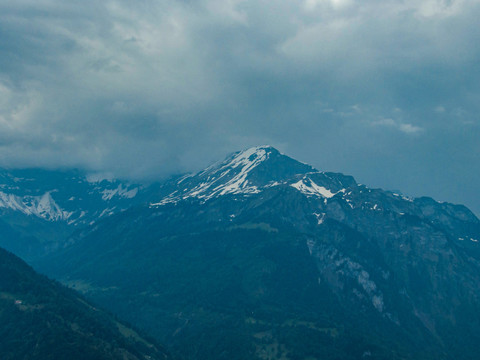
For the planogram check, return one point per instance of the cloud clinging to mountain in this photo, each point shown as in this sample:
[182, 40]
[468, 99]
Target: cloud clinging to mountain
[148, 88]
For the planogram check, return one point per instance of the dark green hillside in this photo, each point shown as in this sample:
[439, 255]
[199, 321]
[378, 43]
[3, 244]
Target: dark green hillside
[41, 319]
[241, 289]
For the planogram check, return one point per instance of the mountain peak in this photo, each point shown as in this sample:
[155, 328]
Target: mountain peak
[244, 172]
[259, 148]
[249, 158]
[264, 155]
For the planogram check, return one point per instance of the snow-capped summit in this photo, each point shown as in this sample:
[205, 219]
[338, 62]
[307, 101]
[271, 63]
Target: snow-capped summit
[243, 172]
[250, 172]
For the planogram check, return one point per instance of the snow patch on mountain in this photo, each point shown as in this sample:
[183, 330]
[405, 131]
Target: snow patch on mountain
[107, 212]
[124, 192]
[43, 206]
[320, 217]
[308, 187]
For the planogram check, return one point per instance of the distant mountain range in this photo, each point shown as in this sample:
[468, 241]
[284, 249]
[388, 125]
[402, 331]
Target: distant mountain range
[68, 196]
[40, 208]
[258, 256]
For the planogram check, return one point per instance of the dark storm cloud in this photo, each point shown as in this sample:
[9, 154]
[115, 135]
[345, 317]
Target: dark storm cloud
[385, 90]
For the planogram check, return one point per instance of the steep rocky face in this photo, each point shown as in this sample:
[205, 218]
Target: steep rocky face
[270, 258]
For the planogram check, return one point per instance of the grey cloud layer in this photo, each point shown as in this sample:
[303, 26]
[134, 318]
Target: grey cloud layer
[386, 90]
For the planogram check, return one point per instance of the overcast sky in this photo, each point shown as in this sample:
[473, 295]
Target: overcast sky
[385, 90]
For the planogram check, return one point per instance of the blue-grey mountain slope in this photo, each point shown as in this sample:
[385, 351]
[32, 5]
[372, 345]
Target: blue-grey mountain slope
[39, 209]
[264, 257]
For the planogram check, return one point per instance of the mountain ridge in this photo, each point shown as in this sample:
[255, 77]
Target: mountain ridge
[261, 166]
[274, 266]
[46, 206]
